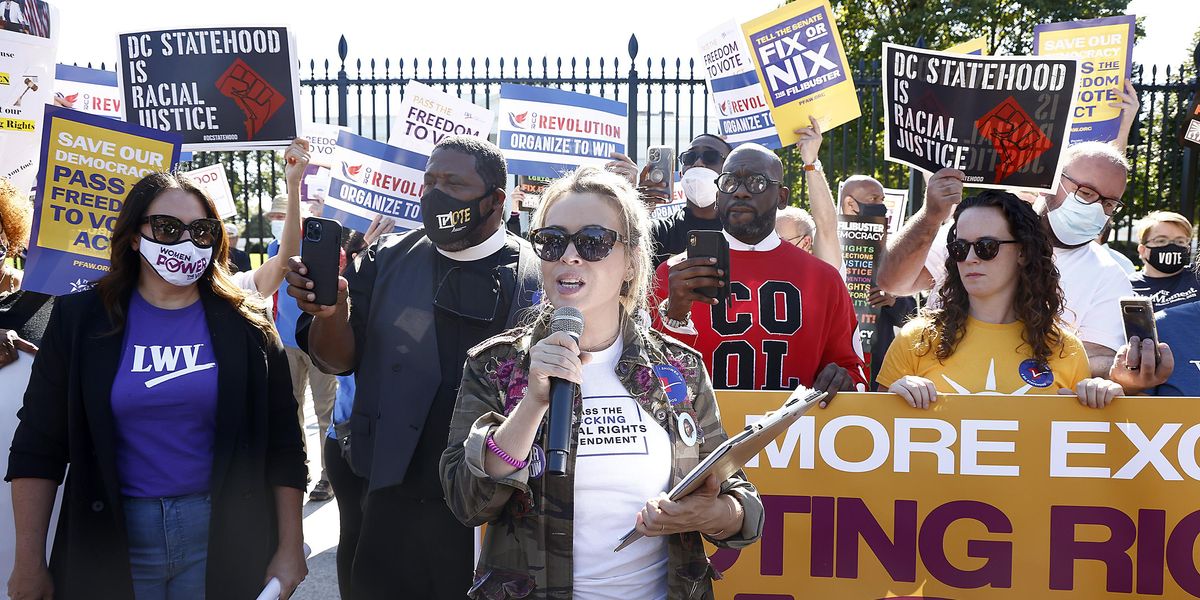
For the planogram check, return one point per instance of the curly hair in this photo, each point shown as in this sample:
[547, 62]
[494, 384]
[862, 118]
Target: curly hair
[16, 213]
[1038, 300]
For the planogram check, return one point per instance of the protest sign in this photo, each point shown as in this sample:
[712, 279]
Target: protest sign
[896, 201]
[666, 209]
[1190, 133]
[93, 91]
[802, 67]
[314, 186]
[532, 188]
[995, 497]
[1104, 48]
[89, 163]
[372, 178]
[734, 88]
[28, 44]
[548, 132]
[427, 115]
[214, 181]
[322, 139]
[1000, 120]
[862, 241]
[977, 46]
[230, 88]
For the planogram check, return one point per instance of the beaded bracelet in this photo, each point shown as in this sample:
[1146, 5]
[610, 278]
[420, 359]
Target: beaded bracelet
[502, 455]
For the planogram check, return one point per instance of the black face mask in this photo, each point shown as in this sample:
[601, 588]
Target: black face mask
[870, 210]
[1169, 259]
[448, 219]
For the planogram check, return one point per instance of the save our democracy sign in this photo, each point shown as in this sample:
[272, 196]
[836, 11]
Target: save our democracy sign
[802, 67]
[89, 163]
[996, 498]
[1104, 48]
[28, 43]
[548, 132]
[371, 178]
[734, 87]
[1001, 120]
[231, 88]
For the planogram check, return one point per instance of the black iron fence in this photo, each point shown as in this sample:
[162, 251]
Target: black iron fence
[668, 104]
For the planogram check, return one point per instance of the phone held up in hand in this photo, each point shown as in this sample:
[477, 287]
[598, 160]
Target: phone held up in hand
[1137, 313]
[660, 176]
[711, 244]
[320, 251]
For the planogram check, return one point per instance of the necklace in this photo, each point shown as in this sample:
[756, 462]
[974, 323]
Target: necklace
[605, 344]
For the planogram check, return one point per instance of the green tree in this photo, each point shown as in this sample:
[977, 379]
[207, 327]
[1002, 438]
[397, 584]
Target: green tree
[254, 178]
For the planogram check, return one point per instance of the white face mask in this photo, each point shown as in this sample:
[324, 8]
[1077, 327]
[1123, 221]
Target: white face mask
[276, 229]
[700, 186]
[181, 263]
[1075, 223]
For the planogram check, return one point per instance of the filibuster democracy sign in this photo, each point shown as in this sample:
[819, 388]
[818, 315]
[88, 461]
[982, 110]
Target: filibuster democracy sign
[549, 132]
[229, 88]
[89, 164]
[1104, 48]
[801, 64]
[981, 498]
[1001, 120]
[734, 87]
[428, 115]
[371, 178]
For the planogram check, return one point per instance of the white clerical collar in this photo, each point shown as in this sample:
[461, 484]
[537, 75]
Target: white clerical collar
[770, 242]
[484, 249]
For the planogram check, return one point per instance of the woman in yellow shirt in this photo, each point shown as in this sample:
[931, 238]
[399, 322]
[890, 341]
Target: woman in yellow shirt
[997, 330]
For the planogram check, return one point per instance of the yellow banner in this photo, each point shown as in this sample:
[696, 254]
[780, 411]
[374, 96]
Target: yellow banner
[981, 497]
[976, 46]
[802, 67]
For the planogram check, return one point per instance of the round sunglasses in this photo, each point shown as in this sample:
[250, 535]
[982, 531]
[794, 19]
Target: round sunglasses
[592, 242]
[166, 229]
[757, 183]
[985, 249]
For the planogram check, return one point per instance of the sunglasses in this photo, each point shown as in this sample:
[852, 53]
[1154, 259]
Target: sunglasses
[985, 249]
[757, 183]
[166, 229]
[708, 157]
[592, 242]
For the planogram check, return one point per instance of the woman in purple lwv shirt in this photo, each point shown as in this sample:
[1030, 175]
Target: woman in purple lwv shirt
[167, 392]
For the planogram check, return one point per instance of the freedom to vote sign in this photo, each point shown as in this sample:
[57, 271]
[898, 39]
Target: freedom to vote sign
[980, 498]
[89, 164]
[429, 115]
[1001, 120]
[734, 87]
[802, 66]
[371, 178]
[232, 88]
[1104, 48]
[549, 132]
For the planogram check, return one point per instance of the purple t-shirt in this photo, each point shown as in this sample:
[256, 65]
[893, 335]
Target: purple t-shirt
[164, 402]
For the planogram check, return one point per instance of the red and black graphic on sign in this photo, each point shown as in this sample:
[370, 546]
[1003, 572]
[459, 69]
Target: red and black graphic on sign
[1017, 138]
[256, 97]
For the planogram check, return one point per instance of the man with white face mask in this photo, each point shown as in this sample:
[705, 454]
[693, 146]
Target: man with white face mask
[1088, 195]
[699, 165]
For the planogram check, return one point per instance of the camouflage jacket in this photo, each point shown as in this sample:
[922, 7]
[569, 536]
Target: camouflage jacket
[527, 548]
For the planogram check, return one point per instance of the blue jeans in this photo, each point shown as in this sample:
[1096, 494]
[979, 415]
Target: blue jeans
[168, 546]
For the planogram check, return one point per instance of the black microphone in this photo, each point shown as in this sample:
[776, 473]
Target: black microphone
[562, 397]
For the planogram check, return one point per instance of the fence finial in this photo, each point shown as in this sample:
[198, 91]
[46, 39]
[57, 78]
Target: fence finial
[343, 49]
[633, 46]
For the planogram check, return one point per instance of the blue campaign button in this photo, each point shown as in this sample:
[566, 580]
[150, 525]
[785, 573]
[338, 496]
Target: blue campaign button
[672, 382]
[1036, 373]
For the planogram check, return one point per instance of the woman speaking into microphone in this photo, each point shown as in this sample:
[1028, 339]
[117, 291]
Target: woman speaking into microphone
[167, 392]
[645, 415]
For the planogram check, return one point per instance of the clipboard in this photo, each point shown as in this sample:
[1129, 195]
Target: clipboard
[738, 450]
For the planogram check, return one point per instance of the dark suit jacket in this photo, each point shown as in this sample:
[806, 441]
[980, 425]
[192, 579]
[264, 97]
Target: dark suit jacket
[67, 418]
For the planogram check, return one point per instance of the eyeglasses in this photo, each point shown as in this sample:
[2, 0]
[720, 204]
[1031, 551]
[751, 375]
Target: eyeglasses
[592, 242]
[757, 183]
[1160, 241]
[1088, 195]
[166, 229]
[985, 249]
[708, 157]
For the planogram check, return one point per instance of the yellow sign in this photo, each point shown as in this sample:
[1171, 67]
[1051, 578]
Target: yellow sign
[802, 67]
[4, 79]
[1104, 48]
[981, 497]
[977, 46]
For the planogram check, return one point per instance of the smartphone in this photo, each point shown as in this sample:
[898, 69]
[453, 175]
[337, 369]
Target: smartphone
[1138, 314]
[660, 177]
[320, 253]
[711, 244]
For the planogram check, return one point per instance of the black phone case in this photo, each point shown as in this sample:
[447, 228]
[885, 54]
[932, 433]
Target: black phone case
[711, 244]
[321, 257]
[1140, 324]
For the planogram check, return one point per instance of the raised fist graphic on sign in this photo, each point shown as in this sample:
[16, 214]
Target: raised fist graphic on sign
[1016, 137]
[257, 98]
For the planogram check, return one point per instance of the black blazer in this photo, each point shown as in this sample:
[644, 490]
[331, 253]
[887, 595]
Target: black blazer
[67, 418]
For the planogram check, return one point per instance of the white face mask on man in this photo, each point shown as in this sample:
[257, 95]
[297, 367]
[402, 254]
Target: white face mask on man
[277, 229]
[181, 263]
[1075, 223]
[700, 186]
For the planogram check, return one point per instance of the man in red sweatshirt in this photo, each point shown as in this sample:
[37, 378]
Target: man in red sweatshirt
[788, 319]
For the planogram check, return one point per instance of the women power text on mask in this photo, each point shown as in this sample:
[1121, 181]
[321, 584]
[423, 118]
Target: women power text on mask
[181, 263]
